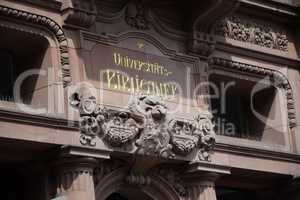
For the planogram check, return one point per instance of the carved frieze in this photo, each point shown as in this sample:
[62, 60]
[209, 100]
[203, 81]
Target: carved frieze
[145, 127]
[251, 31]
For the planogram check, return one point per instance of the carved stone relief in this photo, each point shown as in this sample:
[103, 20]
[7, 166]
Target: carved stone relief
[146, 127]
[251, 31]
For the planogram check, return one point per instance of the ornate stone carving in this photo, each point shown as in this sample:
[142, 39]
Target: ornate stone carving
[80, 13]
[115, 128]
[279, 79]
[145, 127]
[53, 27]
[154, 139]
[136, 15]
[246, 30]
[120, 129]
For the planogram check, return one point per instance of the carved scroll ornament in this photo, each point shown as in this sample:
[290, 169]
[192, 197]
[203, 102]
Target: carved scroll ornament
[145, 127]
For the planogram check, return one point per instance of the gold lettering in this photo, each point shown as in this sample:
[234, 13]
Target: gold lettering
[109, 78]
[117, 59]
[125, 82]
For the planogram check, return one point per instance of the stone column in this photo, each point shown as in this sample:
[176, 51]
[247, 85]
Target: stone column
[74, 178]
[201, 186]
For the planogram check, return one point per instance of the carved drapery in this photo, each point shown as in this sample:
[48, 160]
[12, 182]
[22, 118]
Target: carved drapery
[146, 127]
[279, 80]
[248, 30]
[54, 28]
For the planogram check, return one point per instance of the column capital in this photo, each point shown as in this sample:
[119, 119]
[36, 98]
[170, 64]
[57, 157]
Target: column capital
[85, 164]
[74, 177]
[201, 179]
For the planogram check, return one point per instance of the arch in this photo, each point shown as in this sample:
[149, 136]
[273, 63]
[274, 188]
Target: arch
[157, 189]
[50, 25]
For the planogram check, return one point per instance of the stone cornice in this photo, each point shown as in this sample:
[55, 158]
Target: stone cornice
[257, 53]
[279, 80]
[257, 152]
[53, 121]
[51, 26]
[272, 6]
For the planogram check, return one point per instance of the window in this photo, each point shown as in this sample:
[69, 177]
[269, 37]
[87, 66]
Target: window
[20, 52]
[234, 115]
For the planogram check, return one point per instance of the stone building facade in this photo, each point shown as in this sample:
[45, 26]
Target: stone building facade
[149, 99]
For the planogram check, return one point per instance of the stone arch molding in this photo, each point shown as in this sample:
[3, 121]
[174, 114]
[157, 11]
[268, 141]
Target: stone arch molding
[151, 185]
[51, 26]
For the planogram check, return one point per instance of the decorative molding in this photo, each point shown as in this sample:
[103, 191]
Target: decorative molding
[53, 27]
[279, 80]
[140, 179]
[80, 13]
[251, 31]
[145, 127]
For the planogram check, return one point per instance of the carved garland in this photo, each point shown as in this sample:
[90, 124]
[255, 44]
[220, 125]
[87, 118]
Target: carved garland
[145, 127]
[246, 30]
[277, 77]
[53, 27]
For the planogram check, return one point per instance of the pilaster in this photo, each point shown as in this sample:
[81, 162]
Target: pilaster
[201, 186]
[74, 178]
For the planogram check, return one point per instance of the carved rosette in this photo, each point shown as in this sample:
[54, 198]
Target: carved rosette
[146, 127]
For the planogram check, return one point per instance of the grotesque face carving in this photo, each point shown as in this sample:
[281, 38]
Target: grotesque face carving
[152, 106]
